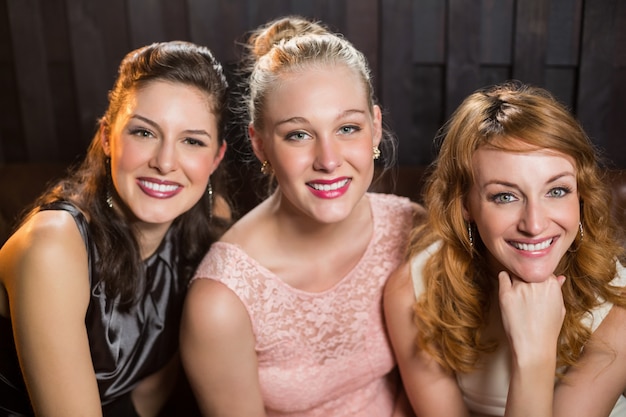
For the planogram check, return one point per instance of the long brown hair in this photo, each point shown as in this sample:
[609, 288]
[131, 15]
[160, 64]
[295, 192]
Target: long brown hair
[452, 312]
[121, 266]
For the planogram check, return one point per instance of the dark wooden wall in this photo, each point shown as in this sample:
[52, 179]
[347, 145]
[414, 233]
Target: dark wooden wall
[58, 59]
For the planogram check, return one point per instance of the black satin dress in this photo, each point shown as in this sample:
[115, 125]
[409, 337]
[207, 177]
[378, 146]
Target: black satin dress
[125, 346]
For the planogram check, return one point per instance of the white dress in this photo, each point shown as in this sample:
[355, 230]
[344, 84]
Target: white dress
[485, 389]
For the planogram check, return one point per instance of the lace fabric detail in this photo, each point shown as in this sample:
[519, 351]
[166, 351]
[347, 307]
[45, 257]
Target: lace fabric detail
[318, 350]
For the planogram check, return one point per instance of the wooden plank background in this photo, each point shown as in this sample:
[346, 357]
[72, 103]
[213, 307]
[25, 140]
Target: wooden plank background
[58, 59]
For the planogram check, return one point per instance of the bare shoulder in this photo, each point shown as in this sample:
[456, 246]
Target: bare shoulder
[398, 296]
[43, 227]
[399, 283]
[49, 241]
[419, 214]
[211, 305]
[45, 273]
[217, 347]
[612, 331]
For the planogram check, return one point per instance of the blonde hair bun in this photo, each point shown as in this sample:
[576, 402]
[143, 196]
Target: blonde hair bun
[281, 30]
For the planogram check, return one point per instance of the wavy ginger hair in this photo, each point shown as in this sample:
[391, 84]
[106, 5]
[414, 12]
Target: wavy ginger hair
[453, 310]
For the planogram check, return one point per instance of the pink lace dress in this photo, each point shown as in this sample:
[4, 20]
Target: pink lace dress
[322, 354]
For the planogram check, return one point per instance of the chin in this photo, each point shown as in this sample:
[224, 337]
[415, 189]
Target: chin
[534, 275]
[156, 217]
[332, 214]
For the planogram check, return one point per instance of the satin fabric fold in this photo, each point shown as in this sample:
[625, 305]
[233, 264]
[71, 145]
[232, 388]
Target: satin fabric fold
[126, 346]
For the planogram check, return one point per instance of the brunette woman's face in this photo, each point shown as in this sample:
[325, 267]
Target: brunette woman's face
[318, 134]
[163, 148]
[526, 209]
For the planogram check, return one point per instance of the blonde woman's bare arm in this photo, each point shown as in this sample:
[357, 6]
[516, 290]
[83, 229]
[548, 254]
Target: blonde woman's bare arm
[217, 350]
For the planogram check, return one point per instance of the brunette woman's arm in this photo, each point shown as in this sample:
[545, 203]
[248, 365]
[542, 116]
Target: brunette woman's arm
[45, 274]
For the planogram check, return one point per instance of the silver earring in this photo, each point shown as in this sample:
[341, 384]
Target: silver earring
[582, 232]
[469, 233]
[109, 198]
[376, 152]
[209, 191]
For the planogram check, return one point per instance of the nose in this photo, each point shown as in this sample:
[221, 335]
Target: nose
[328, 155]
[534, 218]
[164, 159]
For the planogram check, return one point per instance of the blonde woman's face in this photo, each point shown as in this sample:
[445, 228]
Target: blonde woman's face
[525, 206]
[318, 135]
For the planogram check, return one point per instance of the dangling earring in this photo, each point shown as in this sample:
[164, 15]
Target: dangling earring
[469, 233]
[109, 198]
[376, 152]
[266, 168]
[580, 229]
[580, 241]
[209, 191]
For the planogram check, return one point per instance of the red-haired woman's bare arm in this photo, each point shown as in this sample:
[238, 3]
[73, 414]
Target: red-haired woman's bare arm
[592, 387]
[431, 390]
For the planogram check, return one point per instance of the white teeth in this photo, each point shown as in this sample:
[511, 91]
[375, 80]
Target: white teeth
[329, 187]
[532, 247]
[161, 188]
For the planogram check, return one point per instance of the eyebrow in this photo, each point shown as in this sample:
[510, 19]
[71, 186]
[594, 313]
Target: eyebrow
[550, 180]
[298, 119]
[157, 127]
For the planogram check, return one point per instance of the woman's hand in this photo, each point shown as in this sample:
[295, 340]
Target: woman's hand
[532, 314]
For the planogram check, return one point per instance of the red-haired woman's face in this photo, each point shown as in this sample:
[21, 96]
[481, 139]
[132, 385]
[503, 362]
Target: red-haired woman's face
[525, 206]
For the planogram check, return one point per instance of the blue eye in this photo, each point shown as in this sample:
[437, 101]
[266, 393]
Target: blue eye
[503, 198]
[349, 129]
[298, 136]
[559, 192]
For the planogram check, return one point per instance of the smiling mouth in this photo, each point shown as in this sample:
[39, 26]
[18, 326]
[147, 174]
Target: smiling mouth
[160, 188]
[329, 187]
[532, 247]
